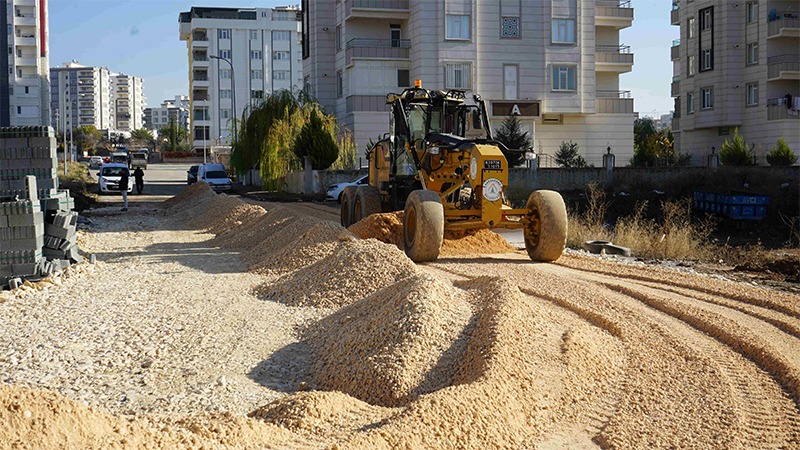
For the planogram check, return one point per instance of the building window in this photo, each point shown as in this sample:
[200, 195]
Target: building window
[201, 133]
[255, 54]
[338, 37]
[284, 16]
[691, 66]
[225, 73]
[706, 61]
[752, 12]
[280, 56]
[256, 95]
[225, 54]
[752, 53]
[395, 34]
[689, 103]
[224, 33]
[509, 27]
[256, 75]
[339, 84]
[690, 26]
[752, 94]
[563, 31]
[563, 78]
[225, 93]
[281, 35]
[307, 84]
[458, 76]
[254, 35]
[225, 113]
[706, 19]
[403, 78]
[707, 98]
[457, 27]
[510, 82]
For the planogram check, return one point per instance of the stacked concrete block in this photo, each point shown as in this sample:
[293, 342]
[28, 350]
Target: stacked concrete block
[26, 151]
[21, 235]
[59, 240]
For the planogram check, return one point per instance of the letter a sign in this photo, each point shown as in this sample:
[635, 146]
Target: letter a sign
[515, 110]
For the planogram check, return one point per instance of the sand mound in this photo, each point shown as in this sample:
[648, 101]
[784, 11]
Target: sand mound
[207, 212]
[354, 270]
[388, 228]
[273, 239]
[247, 237]
[187, 192]
[391, 347]
[316, 244]
[183, 208]
[236, 217]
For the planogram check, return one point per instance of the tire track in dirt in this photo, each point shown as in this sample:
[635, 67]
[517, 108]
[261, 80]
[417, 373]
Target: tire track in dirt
[719, 389]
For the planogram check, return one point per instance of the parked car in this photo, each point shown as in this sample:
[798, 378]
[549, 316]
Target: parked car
[95, 162]
[215, 176]
[139, 159]
[120, 158]
[335, 190]
[109, 176]
[191, 175]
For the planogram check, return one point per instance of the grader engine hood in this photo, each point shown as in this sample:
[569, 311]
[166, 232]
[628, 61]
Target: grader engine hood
[488, 174]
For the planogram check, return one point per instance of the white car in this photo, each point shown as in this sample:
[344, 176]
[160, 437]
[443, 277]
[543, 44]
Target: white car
[335, 190]
[215, 176]
[109, 176]
[95, 162]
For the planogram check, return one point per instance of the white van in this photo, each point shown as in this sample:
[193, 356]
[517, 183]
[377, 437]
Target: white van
[215, 176]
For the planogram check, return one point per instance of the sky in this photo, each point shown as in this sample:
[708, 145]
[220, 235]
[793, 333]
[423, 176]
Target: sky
[140, 38]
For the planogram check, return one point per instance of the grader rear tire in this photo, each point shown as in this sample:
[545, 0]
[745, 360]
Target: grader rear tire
[546, 234]
[348, 200]
[367, 202]
[423, 226]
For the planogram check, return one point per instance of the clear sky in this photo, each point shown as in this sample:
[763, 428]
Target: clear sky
[140, 38]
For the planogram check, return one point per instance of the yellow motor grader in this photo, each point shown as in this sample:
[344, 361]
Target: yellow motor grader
[441, 165]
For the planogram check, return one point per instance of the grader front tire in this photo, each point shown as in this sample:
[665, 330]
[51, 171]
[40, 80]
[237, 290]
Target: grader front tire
[348, 200]
[423, 226]
[367, 202]
[546, 234]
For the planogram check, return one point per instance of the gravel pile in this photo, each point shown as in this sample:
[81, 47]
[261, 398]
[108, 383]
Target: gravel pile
[190, 205]
[356, 269]
[316, 244]
[275, 239]
[394, 345]
[236, 217]
[186, 193]
[251, 235]
[212, 210]
[387, 227]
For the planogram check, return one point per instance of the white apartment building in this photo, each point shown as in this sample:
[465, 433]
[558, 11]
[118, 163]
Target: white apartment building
[127, 102]
[237, 56]
[736, 65]
[80, 95]
[555, 63]
[24, 74]
[173, 110]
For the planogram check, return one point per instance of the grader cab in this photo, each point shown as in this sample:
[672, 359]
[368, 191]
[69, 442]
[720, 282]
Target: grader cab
[441, 165]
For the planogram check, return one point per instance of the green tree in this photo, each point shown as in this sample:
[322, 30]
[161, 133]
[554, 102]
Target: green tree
[175, 137]
[642, 129]
[512, 136]
[568, 155]
[781, 155]
[314, 141]
[87, 137]
[735, 152]
[142, 137]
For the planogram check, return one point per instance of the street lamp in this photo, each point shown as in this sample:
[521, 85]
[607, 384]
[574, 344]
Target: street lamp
[233, 90]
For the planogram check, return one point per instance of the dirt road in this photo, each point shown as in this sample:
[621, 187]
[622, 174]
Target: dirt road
[580, 354]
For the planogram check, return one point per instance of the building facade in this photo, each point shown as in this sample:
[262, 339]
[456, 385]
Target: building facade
[237, 56]
[128, 102]
[555, 63]
[24, 74]
[736, 66]
[80, 95]
[171, 111]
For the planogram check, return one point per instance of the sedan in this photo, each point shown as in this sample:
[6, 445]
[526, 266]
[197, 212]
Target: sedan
[191, 175]
[335, 190]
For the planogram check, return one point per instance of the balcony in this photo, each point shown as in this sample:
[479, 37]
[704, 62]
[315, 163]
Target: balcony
[675, 14]
[200, 41]
[200, 96]
[27, 41]
[783, 67]
[778, 110]
[200, 61]
[376, 9]
[377, 49]
[783, 25]
[613, 58]
[675, 51]
[675, 88]
[613, 13]
[25, 61]
[676, 124]
[26, 20]
[613, 102]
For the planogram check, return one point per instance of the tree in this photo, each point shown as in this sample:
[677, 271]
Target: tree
[175, 136]
[568, 155]
[735, 152]
[317, 143]
[512, 136]
[87, 137]
[142, 137]
[781, 155]
[642, 129]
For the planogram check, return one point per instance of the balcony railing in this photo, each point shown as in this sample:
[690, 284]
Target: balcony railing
[379, 4]
[614, 8]
[676, 123]
[199, 58]
[675, 14]
[675, 50]
[614, 54]
[777, 65]
[377, 48]
[778, 109]
[613, 102]
[200, 78]
[200, 38]
[601, 93]
[785, 23]
[675, 88]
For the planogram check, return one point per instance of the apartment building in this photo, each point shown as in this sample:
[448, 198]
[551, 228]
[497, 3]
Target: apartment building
[736, 65]
[80, 95]
[24, 74]
[237, 56]
[171, 111]
[554, 63]
[127, 102]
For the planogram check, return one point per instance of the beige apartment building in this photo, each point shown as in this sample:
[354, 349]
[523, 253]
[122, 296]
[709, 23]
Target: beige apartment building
[556, 63]
[128, 102]
[80, 96]
[736, 65]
